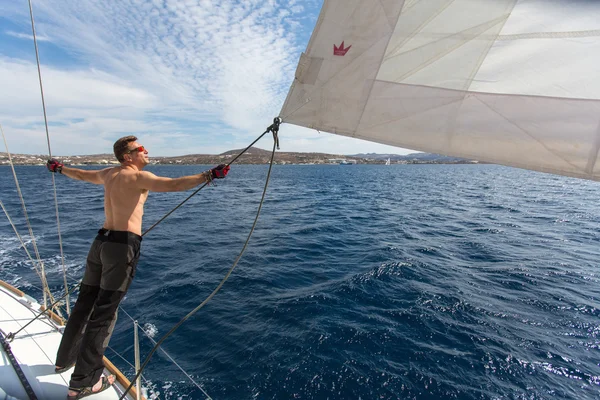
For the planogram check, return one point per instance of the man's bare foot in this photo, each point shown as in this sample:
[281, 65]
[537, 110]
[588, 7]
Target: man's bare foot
[96, 387]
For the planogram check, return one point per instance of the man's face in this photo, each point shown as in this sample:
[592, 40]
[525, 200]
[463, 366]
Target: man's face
[138, 154]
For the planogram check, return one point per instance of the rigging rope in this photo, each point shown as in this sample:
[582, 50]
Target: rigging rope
[166, 354]
[146, 381]
[62, 256]
[11, 335]
[41, 272]
[33, 262]
[275, 130]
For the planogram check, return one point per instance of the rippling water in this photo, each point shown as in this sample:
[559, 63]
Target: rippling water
[360, 282]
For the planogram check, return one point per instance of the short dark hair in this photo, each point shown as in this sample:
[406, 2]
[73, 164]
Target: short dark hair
[120, 147]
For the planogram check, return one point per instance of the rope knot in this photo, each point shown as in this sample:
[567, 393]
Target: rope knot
[274, 128]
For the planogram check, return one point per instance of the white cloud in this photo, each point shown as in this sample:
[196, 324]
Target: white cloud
[62, 88]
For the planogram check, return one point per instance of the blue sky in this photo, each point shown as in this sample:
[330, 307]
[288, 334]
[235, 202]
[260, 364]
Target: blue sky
[185, 76]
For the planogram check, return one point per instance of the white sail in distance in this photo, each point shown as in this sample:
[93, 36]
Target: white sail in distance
[512, 82]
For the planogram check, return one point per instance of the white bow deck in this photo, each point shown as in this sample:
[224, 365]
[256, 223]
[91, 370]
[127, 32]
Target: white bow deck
[35, 350]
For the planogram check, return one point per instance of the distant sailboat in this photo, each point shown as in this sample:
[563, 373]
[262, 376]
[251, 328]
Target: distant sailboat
[387, 162]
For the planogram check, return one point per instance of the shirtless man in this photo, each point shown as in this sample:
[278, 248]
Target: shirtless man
[112, 259]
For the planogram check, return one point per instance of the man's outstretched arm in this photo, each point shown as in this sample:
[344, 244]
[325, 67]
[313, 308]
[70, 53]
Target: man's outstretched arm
[149, 181]
[93, 176]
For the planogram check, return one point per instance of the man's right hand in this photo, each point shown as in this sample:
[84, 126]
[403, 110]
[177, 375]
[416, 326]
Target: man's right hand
[54, 166]
[219, 172]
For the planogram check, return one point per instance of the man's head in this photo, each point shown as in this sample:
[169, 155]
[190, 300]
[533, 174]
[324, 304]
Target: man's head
[129, 152]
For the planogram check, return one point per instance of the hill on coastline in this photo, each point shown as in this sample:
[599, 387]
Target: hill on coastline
[254, 155]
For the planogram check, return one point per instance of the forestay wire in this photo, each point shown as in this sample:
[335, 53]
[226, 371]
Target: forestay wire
[62, 256]
[275, 130]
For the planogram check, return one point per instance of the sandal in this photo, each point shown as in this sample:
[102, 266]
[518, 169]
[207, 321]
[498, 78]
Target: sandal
[87, 391]
[60, 370]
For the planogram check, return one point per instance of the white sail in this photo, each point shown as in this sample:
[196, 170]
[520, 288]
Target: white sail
[512, 82]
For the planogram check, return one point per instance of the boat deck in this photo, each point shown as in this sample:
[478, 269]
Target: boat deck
[35, 350]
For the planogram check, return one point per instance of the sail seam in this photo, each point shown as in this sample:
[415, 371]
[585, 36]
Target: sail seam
[526, 132]
[551, 35]
[484, 26]
[358, 122]
[389, 22]
[485, 53]
[413, 114]
[452, 123]
[490, 92]
[391, 54]
[408, 4]
[516, 36]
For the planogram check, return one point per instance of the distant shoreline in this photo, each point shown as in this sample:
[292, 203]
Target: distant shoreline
[253, 156]
[245, 163]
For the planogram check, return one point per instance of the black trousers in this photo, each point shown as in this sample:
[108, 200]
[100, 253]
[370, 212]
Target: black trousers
[110, 269]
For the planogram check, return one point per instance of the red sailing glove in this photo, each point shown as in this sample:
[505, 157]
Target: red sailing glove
[54, 166]
[219, 172]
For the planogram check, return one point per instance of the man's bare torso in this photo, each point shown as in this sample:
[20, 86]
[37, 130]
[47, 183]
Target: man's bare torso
[123, 201]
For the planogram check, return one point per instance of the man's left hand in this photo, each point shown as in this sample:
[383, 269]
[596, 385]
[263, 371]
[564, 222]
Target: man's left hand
[54, 166]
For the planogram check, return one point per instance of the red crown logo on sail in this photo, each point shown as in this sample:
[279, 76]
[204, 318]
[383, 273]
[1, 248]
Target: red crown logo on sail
[340, 51]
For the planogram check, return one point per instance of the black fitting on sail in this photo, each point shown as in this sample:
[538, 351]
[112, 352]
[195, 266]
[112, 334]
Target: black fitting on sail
[274, 128]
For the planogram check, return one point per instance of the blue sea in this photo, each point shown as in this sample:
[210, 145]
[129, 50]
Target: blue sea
[360, 281]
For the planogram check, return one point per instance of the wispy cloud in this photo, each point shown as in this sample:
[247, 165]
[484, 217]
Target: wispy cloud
[234, 59]
[39, 38]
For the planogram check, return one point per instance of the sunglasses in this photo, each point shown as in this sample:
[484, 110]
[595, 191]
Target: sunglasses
[139, 150]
